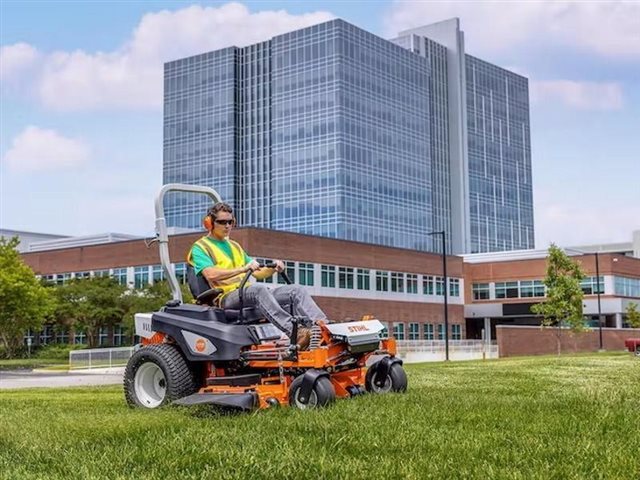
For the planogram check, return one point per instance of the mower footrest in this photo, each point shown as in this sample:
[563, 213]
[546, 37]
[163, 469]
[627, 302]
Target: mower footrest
[235, 381]
[241, 401]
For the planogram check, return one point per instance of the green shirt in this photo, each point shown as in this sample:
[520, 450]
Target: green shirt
[202, 260]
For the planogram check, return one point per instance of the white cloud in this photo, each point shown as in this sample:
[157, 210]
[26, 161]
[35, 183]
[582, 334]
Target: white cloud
[611, 29]
[16, 59]
[37, 149]
[582, 223]
[579, 95]
[131, 77]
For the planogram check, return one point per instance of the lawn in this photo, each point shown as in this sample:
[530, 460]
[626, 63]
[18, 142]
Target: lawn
[528, 418]
[34, 362]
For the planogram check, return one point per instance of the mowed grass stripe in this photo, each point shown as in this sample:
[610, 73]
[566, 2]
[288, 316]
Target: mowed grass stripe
[525, 418]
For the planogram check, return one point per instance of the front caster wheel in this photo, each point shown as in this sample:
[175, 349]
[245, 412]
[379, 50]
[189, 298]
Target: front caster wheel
[394, 381]
[322, 394]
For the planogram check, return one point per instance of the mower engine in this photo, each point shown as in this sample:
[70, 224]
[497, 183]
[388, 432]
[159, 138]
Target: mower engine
[359, 336]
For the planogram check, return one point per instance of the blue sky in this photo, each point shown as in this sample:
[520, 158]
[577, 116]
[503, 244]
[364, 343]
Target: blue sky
[81, 90]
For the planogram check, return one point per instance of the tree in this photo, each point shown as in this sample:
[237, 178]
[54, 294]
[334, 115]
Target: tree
[149, 298]
[24, 302]
[89, 303]
[563, 305]
[633, 316]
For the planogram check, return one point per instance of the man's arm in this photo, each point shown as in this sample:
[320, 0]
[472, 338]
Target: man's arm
[213, 274]
[267, 272]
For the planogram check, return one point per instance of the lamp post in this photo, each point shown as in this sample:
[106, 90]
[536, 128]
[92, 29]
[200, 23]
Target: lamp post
[444, 274]
[599, 307]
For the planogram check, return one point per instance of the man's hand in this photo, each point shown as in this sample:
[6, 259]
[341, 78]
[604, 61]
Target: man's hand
[251, 266]
[279, 265]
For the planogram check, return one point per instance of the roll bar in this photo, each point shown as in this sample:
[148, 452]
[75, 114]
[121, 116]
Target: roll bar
[163, 236]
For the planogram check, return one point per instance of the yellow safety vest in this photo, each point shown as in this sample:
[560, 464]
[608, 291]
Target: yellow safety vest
[221, 260]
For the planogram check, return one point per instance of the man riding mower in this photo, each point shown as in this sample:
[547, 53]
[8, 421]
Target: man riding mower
[222, 351]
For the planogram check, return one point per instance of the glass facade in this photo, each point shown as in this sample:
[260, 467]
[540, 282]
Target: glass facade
[324, 131]
[499, 149]
[333, 131]
[200, 132]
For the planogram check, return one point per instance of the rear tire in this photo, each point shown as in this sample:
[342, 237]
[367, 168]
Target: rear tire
[396, 380]
[638, 351]
[156, 375]
[322, 394]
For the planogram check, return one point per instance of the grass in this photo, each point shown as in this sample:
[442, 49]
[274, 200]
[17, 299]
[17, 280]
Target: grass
[22, 363]
[574, 417]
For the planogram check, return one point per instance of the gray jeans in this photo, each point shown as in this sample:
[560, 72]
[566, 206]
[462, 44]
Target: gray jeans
[269, 302]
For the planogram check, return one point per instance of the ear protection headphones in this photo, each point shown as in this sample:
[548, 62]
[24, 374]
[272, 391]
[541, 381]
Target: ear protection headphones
[209, 220]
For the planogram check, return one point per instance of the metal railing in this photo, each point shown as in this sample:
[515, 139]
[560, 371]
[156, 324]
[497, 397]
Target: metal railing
[99, 358]
[434, 350]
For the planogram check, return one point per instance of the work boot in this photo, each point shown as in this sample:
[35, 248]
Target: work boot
[304, 338]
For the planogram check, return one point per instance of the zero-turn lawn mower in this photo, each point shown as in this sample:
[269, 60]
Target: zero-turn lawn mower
[195, 354]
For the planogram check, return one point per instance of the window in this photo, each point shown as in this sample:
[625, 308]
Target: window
[181, 272]
[590, 285]
[363, 279]
[456, 332]
[328, 276]
[120, 275]
[157, 273]
[626, 287]
[382, 281]
[412, 283]
[398, 330]
[385, 331]
[81, 275]
[427, 331]
[80, 338]
[454, 287]
[265, 261]
[118, 335]
[103, 336]
[427, 285]
[538, 288]
[140, 276]
[414, 331]
[345, 277]
[62, 337]
[101, 273]
[28, 337]
[397, 282]
[480, 291]
[439, 286]
[507, 290]
[441, 331]
[290, 269]
[305, 273]
[46, 335]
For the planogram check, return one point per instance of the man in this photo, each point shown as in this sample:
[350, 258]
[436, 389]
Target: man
[223, 263]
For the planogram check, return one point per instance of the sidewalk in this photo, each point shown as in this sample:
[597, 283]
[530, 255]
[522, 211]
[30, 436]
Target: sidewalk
[44, 378]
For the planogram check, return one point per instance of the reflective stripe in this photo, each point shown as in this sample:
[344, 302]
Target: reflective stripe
[221, 260]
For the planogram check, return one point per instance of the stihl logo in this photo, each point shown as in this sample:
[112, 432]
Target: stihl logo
[358, 328]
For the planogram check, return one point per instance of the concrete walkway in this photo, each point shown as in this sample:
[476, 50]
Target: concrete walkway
[40, 379]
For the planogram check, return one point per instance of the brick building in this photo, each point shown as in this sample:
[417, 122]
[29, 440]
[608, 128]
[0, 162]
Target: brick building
[489, 295]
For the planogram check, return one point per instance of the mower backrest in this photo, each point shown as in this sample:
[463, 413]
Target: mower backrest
[197, 283]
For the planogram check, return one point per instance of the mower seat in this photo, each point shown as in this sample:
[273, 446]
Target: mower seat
[205, 295]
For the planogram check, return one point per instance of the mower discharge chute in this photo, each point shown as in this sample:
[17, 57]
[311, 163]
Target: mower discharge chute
[193, 354]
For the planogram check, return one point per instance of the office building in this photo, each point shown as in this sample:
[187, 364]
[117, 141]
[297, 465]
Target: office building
[333, 131]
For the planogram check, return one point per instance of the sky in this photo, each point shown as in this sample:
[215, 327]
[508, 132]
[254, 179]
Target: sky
[81, 101]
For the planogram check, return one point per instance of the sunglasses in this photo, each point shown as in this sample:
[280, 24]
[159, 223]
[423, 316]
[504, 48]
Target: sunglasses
[224, 222]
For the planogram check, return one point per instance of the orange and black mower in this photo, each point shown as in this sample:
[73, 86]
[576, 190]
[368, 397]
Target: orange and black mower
[200, 354]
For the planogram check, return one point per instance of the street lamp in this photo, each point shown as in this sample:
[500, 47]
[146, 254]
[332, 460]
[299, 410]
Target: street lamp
[599, 307]
[446, 309]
